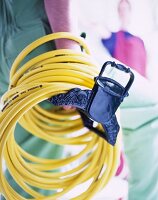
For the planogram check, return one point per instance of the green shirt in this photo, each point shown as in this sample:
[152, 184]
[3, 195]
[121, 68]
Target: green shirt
[139, 120]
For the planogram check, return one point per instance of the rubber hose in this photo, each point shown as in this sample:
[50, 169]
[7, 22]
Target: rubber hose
[40, 78]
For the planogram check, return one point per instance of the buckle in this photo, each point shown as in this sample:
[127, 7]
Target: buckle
[100, 103]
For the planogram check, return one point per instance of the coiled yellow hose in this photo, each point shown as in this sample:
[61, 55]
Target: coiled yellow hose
[37, 80]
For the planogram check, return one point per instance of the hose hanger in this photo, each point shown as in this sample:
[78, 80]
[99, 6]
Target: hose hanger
[100, 103]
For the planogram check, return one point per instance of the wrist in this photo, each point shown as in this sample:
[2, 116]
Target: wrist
[67, 44]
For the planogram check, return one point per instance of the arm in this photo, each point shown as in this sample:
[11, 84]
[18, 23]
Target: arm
[62, 18]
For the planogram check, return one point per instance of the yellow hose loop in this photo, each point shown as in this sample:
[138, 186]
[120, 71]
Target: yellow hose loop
[40, 78]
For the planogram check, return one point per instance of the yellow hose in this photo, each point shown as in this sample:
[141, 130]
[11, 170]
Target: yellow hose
[37, 80]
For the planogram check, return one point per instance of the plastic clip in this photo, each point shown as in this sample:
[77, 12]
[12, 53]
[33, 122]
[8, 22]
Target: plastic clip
[100, 103]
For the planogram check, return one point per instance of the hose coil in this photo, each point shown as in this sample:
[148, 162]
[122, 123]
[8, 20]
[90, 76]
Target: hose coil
[37, 80]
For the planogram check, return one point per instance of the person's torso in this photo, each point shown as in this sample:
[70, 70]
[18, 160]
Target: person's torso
[22, 22]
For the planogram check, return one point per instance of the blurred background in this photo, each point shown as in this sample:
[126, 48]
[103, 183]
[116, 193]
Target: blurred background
[99, 18]
[136, 23]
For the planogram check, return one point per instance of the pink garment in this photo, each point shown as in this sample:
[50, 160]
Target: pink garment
[120, 168]
[131, 51]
